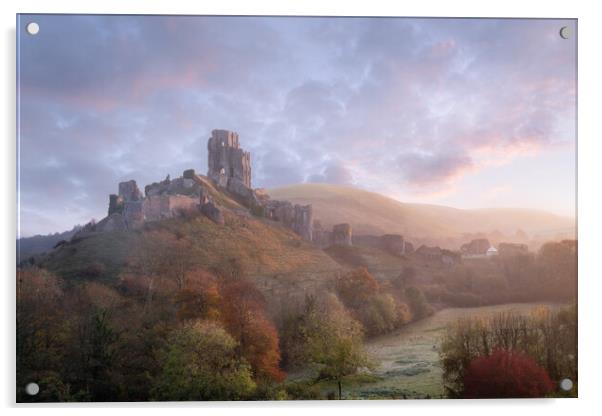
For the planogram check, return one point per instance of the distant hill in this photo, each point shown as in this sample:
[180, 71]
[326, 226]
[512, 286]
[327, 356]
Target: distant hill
[372, 213]
[38, 244]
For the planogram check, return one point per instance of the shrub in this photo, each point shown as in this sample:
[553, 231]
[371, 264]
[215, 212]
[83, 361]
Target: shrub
[258, 211]
[418, 304]
[506, 374]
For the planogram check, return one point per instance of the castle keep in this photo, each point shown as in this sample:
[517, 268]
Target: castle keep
[227, 161]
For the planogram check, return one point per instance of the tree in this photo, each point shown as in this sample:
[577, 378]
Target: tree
[333, 341]
[377, 310]
[40, 329]
[558, 261]
[550, 339]
[243, 314]
[405, 278]
[200, 363]
[506, 374]
[199, 298]
[356, 288]
[418, 304]
[163, 261]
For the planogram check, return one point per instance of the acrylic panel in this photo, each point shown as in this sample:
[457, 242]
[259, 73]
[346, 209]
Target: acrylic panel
[295, 208]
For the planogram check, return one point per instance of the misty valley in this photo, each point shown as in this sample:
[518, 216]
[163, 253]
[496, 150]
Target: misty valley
[204, 288]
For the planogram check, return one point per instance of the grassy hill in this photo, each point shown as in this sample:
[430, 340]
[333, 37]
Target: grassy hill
[270, 253]
[37, 244]
[372, 213]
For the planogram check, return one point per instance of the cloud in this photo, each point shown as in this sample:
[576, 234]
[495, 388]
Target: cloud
[335, 173]
[398, 106]
[419, 169]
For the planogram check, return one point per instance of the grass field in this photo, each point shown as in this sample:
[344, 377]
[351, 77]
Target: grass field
[409, 358]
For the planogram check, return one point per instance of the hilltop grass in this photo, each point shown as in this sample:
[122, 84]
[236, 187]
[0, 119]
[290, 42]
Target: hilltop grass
[262, 247]
[96, 257]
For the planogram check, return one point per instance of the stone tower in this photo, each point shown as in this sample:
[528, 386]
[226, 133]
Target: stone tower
[228, 163]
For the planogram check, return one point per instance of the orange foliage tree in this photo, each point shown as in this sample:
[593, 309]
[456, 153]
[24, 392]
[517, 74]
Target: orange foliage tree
[244, 315]
[199, 298]
[357, 287]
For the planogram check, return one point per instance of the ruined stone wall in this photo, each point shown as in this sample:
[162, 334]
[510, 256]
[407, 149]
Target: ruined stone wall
[303, 221]
[158, 207]
[297, 217]
[341, 234]
[180, 203]
[129, 191]
[393, 243]
[133, 214]
[226, 160]
[320, 236]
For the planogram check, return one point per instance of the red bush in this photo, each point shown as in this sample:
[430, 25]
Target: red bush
[506, 374]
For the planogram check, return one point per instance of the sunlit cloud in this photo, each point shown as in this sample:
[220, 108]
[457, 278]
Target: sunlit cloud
[406, 107]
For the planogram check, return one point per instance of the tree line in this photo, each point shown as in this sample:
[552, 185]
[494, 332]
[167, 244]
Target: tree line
[170, 329]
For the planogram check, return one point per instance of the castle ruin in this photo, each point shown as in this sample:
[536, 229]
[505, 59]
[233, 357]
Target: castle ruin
[229, 170]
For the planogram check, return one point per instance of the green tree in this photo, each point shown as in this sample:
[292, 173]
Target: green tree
[200, 363]
[333, 341]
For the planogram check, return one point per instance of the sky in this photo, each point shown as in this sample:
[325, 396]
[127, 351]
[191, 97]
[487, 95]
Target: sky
[469, 113]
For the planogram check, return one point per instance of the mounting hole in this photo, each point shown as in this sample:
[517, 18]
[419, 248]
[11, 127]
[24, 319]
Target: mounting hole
[32, 389]
[32, 28]
[566, 384]
[565, 32]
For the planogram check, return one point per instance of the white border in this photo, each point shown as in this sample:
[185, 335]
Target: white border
[589, 213]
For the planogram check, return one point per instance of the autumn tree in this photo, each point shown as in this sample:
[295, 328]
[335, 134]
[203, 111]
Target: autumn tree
[40, 329]
[199, 298]
[378, 311]
[244, 316]
[356, 288]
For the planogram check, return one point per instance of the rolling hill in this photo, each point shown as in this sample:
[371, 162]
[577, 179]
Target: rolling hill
[372, 213]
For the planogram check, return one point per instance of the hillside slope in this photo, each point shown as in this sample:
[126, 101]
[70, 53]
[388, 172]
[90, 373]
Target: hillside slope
[38, 244]
[372, 213]
[275, 257]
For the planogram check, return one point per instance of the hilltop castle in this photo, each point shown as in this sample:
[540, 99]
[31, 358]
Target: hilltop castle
[229, 172]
